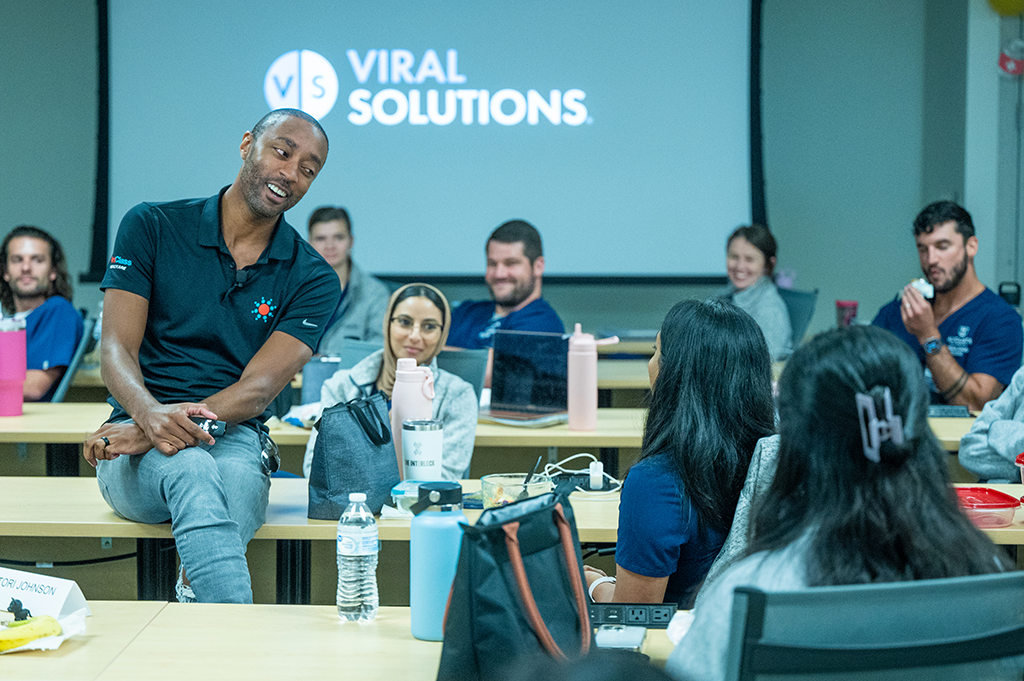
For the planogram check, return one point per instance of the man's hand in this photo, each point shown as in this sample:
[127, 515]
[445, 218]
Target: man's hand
[124, 438]
[169, 428]
[918, 316]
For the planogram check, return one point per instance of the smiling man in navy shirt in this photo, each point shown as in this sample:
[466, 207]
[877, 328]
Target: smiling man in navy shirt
[210, 308]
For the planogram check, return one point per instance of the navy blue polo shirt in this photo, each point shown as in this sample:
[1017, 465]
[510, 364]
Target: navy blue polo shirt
[204, 327]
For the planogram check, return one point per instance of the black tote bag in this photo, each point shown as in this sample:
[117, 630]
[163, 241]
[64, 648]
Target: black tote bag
[518, 591]
[353, 453]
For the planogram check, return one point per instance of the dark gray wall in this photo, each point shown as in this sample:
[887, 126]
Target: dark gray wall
[863, 122]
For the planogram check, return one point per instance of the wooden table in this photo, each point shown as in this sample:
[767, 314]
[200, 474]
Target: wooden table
[111, 628]
[73, 507]
[174, 641]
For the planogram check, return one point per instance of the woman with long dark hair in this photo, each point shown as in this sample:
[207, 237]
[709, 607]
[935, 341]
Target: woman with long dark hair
[711, 402]
[846, 506]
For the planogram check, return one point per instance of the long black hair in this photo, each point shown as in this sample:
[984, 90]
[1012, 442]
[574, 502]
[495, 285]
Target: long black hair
[892, 520]
[710, 404]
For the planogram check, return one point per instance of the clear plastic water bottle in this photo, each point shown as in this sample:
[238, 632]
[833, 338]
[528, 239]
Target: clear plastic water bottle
[357, 561]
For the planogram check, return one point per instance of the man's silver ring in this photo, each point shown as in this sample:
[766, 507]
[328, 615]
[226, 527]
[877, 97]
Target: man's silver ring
[106, 442]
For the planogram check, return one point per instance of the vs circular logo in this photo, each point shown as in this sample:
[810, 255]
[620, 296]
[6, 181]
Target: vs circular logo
[301, 79]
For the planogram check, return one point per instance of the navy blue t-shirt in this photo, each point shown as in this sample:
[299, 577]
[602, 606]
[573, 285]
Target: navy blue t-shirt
[52, 333]
[474, 323]
[205, 321]
[660, 533]
[985, 337]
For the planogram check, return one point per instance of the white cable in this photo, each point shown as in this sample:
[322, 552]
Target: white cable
[551, 468]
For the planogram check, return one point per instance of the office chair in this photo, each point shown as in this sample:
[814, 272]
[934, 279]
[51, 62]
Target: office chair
[800, 305]
[958, 628]
[354, 351]
[469, 365]
[84, 345]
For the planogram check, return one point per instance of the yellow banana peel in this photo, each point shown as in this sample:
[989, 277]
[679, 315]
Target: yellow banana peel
[17, 634]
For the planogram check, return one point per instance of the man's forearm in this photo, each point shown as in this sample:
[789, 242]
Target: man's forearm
[123, 377]
[266, 375]
[242, 401]
[955, 384]
[38, 382]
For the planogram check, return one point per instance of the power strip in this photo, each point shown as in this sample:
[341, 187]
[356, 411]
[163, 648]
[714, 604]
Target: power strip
[582, 480]
[650, 615]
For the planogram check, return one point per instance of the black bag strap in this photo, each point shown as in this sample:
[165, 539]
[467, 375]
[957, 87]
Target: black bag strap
[370, 421]
[533, 616]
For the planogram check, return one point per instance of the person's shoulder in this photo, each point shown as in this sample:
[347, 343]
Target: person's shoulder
[993, 305]
[59, 305]
[653, 470]
[473, 308]
[537, 316]
[887, 313]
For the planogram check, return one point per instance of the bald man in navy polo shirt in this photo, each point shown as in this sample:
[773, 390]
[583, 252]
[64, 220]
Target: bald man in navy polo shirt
[210, 308]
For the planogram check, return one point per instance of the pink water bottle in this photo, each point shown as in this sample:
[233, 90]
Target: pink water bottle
[412, 398]
[12, 369]
[583, 379]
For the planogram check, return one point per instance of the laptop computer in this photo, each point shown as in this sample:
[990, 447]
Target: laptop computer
[529, 378]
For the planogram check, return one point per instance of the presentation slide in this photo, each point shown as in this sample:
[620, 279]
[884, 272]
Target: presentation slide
[620, 130]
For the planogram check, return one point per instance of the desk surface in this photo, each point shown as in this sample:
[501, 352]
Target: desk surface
[111, 628]
[73, 507]
[74, 421]
[174, 641]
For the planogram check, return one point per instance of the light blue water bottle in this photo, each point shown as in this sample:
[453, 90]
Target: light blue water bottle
[434, 541]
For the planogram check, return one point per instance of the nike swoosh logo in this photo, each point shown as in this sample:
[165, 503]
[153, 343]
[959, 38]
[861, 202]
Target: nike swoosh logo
[306, 323]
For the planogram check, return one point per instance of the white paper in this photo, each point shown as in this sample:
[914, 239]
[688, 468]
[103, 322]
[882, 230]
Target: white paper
[41, 594]
[72, 625]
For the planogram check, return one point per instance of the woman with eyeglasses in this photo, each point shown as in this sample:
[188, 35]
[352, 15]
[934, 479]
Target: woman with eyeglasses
[416, 325]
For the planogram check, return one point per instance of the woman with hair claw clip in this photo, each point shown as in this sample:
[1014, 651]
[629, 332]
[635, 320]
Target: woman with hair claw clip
[860, 493]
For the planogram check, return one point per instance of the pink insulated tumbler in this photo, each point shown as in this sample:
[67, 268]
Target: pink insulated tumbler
[12, 371]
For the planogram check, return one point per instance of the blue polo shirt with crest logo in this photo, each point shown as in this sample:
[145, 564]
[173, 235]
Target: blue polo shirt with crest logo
[206, 320]
[984, 336]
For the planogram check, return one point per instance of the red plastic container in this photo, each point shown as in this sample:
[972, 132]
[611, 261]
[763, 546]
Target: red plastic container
[987, 507]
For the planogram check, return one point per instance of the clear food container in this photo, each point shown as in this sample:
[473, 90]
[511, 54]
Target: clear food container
[986, 507]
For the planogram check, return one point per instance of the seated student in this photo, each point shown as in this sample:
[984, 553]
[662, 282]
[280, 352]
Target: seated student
[967, 339]
[843, 509]
[990, 448]
[415, 325]
[515, 267]
[749, 262]
[363, 297]
[36, 288]
[711, 402]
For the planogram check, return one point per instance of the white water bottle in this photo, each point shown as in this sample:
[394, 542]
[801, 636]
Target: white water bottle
[411, 398]
[582, 392]
[357, 561]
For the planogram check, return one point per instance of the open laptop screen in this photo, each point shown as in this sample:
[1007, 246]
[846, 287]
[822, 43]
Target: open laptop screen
[530, 372]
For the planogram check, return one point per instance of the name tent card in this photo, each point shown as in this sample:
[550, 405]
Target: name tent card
[40, 594]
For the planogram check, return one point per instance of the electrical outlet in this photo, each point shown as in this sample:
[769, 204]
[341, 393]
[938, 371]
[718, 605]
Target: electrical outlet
[662, 614]
[649, 615]
[635, 615]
